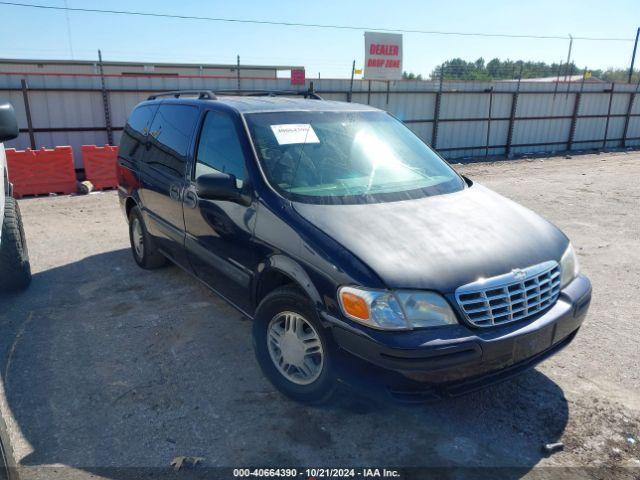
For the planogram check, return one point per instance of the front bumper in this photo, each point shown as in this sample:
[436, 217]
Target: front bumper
[453, 360]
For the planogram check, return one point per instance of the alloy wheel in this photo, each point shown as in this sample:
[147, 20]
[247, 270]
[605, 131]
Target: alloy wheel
[295, 348]
[138, 238]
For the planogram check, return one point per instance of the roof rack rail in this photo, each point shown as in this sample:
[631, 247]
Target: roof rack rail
[202, 94]
[271, 93]
[209, 95]
[305, 93]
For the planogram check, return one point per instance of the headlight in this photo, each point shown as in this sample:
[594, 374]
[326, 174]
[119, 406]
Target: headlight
[400, 310]
[569, 267]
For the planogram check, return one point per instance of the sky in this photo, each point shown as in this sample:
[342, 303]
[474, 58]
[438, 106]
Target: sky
[45, 34]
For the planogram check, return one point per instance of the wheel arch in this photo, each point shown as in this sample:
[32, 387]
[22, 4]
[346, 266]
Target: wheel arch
[281, 270]
[129, 203]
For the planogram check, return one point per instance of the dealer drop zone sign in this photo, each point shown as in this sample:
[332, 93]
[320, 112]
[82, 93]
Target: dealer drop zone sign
[383, 56]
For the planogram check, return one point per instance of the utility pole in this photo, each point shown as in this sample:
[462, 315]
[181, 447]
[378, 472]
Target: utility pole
[633, 55]
[238, 71]
[512, 117]
[353, 71]
[105, 101]
[436, 111]
[27, 109]
[555, 90]
[568, 57]
[486, 145]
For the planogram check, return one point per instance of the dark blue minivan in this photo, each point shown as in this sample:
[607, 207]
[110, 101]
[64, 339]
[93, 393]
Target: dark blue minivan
[358, 252]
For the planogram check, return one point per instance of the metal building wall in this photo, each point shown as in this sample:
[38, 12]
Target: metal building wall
[469, 119]
[142, 68]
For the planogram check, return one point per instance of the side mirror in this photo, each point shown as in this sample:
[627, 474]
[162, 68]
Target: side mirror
[218, 186]
[8, 124]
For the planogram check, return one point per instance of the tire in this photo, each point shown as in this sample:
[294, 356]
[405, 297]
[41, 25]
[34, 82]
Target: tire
[315, 388]
[15, 270]
[148, 256]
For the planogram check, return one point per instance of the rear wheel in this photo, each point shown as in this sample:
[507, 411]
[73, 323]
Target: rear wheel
[15, 270]
[292, 348]
[144, 250]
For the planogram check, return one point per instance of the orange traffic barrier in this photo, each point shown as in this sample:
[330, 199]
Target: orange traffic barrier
[35, 172]
[100, 165]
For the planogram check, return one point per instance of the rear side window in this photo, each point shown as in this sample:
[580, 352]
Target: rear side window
[136, 129]
[219, 148]
[140, 119]
[171, 130]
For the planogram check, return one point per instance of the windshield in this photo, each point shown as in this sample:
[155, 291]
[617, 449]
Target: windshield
[347, 157]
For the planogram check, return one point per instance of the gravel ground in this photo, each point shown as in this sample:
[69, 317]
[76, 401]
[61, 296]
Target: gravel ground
[111, 371]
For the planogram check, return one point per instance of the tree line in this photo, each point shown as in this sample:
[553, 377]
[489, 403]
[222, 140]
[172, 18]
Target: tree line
[496, 69]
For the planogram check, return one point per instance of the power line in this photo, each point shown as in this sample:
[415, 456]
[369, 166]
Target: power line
[308, 25]
[69, 30]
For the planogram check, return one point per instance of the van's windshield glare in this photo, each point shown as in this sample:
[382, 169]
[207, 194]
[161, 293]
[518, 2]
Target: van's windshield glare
[347, 157]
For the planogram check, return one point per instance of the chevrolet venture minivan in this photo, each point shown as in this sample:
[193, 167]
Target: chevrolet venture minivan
[357, 251]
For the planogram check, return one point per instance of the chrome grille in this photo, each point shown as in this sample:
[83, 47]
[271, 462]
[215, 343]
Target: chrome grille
[514, 296]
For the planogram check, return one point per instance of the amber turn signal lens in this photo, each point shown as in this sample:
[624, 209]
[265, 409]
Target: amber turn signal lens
[355, 306]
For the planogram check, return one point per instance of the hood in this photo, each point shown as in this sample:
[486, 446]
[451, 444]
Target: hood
[440, 242]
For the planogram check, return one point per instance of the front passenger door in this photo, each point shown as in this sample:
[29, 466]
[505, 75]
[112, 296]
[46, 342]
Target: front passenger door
[219, 232]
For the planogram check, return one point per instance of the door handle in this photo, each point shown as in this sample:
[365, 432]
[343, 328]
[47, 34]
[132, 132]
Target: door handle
[191, 199]
[174, 192]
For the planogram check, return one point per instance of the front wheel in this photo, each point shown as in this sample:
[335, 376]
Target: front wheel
[292, 348]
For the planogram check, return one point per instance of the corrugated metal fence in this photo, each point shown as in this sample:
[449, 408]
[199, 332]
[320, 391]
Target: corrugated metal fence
[460, 119]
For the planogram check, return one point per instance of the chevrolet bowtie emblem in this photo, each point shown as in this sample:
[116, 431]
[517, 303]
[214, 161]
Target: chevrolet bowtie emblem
[518, 274]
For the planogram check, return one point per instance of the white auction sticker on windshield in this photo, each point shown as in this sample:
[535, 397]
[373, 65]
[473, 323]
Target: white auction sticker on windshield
[292, 133]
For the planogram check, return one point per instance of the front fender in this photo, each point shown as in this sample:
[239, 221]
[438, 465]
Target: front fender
[292, 269]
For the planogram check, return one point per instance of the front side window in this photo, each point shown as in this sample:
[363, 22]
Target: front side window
[347, 157]
[219, 148]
